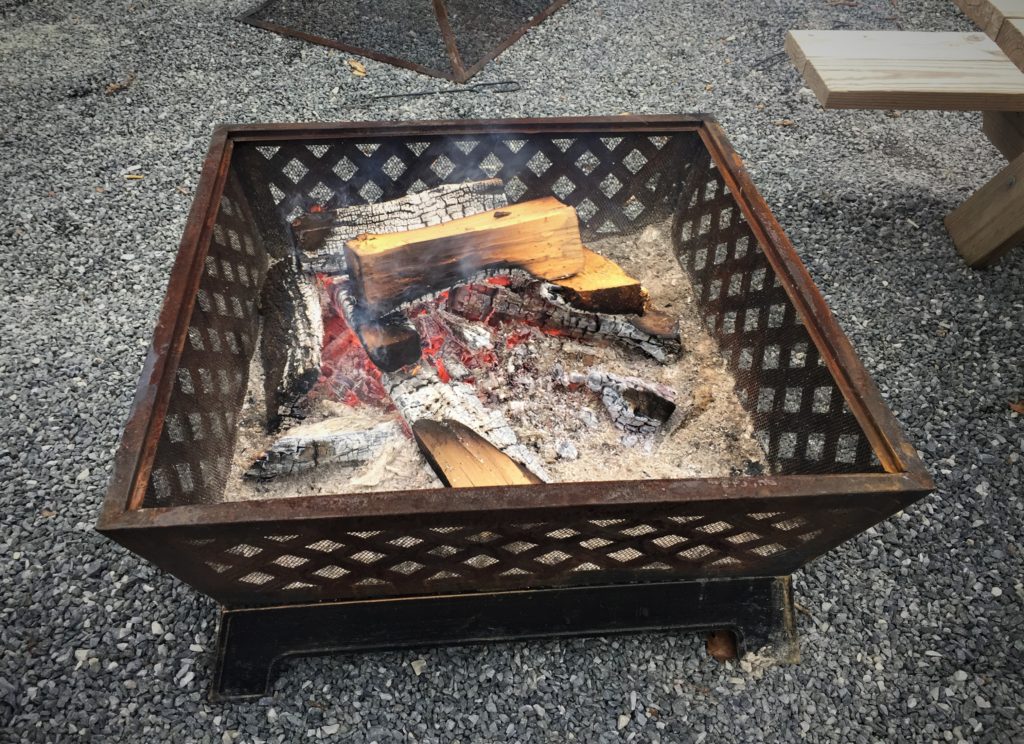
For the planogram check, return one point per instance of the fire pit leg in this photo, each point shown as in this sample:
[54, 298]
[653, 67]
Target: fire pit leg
[252, 642]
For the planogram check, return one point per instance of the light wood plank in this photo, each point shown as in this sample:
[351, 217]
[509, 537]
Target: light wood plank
[889, 45]
[991, 221]
[1011, 40]
[916, 84]
[989, 15]
[1005, 130]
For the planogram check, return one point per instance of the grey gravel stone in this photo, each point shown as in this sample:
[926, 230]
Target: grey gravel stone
[85, 255]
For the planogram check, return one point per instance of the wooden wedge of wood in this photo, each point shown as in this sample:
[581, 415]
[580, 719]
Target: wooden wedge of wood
[463, 459]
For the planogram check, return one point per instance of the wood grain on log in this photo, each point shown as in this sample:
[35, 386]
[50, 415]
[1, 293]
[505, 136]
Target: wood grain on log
[290, 341]
[540, 236]
[329, 442]
[462, 458]
[322, 235]
[602, 286]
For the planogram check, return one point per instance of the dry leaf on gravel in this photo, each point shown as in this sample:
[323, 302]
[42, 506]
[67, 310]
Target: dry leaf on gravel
[1017, 407]
[357, 68]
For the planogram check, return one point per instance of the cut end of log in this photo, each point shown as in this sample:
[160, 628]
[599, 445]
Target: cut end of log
[391, 342]
[463, 459]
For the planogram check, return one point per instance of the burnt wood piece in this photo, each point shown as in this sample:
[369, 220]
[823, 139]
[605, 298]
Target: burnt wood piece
[322, 235]
[252, 643]
[539, 304]
[541, 236]
[291, 340]
[635, 406]
[325, 443]
[418, 393]
[462, 458]
[603, 287]
[391, 342]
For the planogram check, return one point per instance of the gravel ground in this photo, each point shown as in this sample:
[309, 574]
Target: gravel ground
[911, 632]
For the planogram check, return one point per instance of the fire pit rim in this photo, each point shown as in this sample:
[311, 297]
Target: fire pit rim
[906, 478]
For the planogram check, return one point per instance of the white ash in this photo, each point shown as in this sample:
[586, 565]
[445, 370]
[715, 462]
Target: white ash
[418, 393]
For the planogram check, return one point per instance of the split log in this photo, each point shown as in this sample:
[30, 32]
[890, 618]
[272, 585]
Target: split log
[541, 237]
[635, 406]
[603, 287]
[539, 304]
[328, 442]
[322, 235]
[462, 458]
[419, 394]
[290, 341]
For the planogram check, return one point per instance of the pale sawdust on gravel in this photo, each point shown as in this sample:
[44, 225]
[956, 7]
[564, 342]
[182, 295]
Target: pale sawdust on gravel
[716, 441]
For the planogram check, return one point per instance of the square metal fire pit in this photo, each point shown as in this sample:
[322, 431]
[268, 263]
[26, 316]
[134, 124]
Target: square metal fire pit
[307, 574]
[451, 39]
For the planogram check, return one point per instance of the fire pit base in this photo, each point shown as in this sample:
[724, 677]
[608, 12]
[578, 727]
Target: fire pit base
[252, 642]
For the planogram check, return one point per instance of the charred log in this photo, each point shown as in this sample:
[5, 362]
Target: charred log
[326, 443]
[539, 304]
[291, 340]
[322, 235]
[635, 406]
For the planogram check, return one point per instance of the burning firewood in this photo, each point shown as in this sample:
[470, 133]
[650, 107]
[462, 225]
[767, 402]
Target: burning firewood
[419, 394]
[635, 406]
[539, 304]
[541, 237]
[462, 458]
[603, 287]
[322, 235]
[291, 340]
[328, 442]
[391, 342]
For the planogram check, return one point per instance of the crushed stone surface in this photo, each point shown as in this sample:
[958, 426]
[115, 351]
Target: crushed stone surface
[910, 632]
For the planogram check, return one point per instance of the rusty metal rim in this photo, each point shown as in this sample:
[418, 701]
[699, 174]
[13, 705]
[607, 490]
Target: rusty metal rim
[458, 74]
[121, 506]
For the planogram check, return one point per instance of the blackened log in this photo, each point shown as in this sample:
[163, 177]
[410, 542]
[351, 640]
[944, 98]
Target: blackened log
[391, 342]
[291, 340]
[326, 443]
[539, 304]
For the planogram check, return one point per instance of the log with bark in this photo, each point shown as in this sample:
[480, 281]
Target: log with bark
[322, 235]
[539, 304]
[541, 237]
[326, 443]
[290, 341]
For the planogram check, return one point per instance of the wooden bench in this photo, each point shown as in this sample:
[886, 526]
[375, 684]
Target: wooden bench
[939, 71]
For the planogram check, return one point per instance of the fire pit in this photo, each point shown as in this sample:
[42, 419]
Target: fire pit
[410, 322]
[451, 39]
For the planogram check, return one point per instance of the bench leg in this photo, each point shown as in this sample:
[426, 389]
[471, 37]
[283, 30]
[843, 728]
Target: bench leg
[991, 221]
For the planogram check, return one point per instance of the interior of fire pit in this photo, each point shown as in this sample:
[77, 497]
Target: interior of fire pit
[320, 362]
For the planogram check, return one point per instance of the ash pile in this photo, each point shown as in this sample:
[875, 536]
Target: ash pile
[451, 338]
